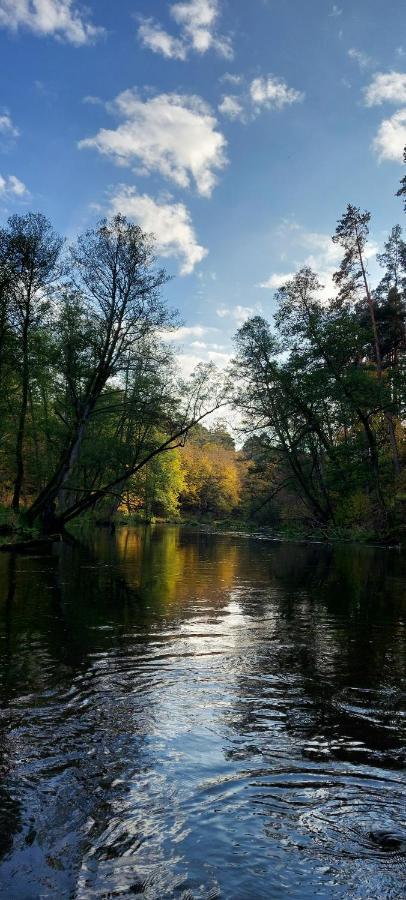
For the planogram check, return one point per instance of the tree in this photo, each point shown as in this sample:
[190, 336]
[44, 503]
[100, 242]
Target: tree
[112, 270]
[391, 299]
[351, 278]
[212, 472]
[157, 488]
[352, 234]
[274, 400]
[30, 252]
[308, 389]
[402, 190]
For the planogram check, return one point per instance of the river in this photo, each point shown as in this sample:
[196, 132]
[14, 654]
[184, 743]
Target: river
[199, 716]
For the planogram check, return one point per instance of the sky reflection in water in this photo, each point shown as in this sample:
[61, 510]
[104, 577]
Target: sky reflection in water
[198, 716]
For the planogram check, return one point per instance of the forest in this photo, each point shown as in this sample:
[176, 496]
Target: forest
[96, 420]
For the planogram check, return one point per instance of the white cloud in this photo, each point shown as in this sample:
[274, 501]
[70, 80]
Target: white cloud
[7, 127]
[264, 92]
[390, 141]
[189, 331]
[238, 313]
[314, 249]
[202, 345]
[325, 277]
[230, 78]
[389, 87]
[197, 21]
[231, 107]
[335, 11]
[158, 40]
[173, 134]
[363, 60]
[276, 280]
[386, 87]
[58, 18]
[169, 222]
[219, 359]
[12, 186]
[323, 251]
[273, 93]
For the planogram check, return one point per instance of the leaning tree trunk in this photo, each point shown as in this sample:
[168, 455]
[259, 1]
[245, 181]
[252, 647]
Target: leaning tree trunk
[45, 504]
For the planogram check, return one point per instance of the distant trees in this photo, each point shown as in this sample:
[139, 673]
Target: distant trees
[212, 473]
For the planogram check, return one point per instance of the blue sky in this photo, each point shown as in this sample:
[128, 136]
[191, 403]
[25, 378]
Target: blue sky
[237, 131]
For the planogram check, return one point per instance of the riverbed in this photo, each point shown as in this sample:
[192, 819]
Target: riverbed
[199, 716]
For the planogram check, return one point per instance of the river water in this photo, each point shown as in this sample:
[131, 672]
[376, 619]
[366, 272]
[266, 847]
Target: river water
[190, 715]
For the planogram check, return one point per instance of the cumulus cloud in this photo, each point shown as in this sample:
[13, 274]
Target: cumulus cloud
[7, 127]
[57, 18]
[390, 141]
[273, 93]
[231, 107]
[197, 20]
[263, 93]
[386, 87]
[173, 134]
[389, 87]
[11, 186]
[169, 222]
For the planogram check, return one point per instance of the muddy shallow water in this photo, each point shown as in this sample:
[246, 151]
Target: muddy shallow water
[186, 715]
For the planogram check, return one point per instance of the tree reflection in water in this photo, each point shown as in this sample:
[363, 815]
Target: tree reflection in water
[211, 715]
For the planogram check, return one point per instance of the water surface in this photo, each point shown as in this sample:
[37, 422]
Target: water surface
[195, 716]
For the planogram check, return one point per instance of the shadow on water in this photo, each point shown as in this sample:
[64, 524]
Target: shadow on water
[197, 716]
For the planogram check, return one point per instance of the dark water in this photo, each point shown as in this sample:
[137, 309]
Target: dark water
[194, 716]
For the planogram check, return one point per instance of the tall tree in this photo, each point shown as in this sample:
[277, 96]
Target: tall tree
[352, 280]
[112, 270]
[402, 190]
[30, 252]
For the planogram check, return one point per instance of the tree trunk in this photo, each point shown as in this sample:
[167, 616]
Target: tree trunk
[387, 414]
[18, 483]
[54, 490]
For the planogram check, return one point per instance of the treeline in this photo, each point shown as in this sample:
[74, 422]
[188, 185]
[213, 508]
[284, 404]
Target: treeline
[207, 480]
[94, 416]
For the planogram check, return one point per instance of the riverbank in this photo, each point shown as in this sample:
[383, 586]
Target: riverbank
[295, 531]
[16, 534]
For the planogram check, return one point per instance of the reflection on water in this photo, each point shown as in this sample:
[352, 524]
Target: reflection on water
[185, 715]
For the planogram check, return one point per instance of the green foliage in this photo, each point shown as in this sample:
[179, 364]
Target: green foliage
[323, 390]
[89, 392]
[156, 489]
[94, 416]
